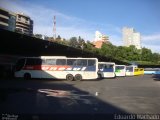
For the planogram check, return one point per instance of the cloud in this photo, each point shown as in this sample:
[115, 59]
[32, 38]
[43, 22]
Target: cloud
[152, 42]
[151, 37]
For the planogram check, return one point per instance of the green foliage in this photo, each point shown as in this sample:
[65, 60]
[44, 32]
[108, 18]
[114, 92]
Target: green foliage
[146, 54]
[130, 54]
[146, 63]
[73, 42]
[122, 53]
[108, 50]
[38, 36]
[88, 46]
[77, 43]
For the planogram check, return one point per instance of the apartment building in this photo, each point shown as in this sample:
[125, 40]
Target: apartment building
[7, 20]
[131, 37]
[100, 39]
[17, 22]
[24, 24]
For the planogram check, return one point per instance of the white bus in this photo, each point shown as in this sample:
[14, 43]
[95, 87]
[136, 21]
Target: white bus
[120, 70]
[130, 70]
[106, 69]
[57, 67]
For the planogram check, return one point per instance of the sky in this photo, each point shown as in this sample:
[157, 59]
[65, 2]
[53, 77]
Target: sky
[83, 17]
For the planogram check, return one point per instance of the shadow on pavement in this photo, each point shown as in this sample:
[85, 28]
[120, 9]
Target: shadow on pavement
[37, 99]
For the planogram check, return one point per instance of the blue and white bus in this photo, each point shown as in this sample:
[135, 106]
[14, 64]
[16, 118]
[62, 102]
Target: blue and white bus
[57, 67]
[106, 69]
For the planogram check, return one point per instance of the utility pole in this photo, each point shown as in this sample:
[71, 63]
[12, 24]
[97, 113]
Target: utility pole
[54, 28]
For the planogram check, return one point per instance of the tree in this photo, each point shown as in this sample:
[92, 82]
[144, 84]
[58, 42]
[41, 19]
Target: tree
[108, 50]
[89, 46]
[133, 53]
[155, 58]
[58, 38]
[146, 54]
[38, 36]
[81, 43]
[121, 53]
[73, 42]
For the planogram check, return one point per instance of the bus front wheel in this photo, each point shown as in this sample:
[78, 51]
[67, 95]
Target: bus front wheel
[78, 77]
[27, 76]
[69, 77]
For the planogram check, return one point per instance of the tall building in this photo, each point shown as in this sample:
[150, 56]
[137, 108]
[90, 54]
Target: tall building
[24, 24]
[16, 22]
[100, 39]
[7, 20]
[131, 37]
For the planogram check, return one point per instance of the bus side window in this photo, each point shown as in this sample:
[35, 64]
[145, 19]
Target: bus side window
[43, 62]
[71, 61]
[30, 61]
[33, 61]
[105, 66]
[108, 66]
[100, 66]
[117, 67]
[38, 61]
[81, 62]
[131, 69]
[91, 62]
[50, 62]
[61, 62]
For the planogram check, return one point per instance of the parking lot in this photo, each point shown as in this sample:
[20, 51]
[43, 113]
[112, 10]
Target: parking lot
[130, 95]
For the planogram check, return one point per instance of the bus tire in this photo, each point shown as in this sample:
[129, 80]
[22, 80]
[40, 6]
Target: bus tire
[78, 77]
[27, 76]
[69, 77]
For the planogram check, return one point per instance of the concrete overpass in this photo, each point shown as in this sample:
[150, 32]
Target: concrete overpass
[16, 44]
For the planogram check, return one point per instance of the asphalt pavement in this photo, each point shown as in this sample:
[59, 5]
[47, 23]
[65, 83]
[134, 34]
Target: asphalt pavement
[122, 95]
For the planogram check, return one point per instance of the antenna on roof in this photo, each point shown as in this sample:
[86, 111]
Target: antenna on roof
[54, 28]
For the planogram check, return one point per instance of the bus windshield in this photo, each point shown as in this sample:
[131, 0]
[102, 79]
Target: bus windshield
[129, 69]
